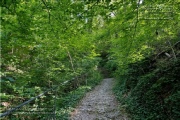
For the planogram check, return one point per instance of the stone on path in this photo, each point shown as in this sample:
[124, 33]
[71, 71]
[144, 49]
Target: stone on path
[99, 104]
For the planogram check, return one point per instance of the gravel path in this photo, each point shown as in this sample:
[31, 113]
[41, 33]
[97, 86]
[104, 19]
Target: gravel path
[99, 104]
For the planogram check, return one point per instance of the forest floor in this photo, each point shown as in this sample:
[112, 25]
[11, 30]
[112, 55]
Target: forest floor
[99, 104]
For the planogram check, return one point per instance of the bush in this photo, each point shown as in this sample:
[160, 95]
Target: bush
[152, 94]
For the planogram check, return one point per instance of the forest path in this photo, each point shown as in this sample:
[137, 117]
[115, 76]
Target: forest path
[99, 104]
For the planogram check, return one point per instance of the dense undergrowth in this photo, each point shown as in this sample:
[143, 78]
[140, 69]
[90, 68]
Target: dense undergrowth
[57, 103]
[150, 90]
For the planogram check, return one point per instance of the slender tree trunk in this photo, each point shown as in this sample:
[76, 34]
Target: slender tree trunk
[70, 59]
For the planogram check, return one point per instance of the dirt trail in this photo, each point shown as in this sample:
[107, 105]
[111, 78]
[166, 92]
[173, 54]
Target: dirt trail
[99, 104]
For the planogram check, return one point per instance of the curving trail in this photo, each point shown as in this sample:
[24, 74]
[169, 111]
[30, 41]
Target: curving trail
[99, 104]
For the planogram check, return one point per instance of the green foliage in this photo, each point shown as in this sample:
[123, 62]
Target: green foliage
[152, 94]
[46, 43]
[68, 101]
